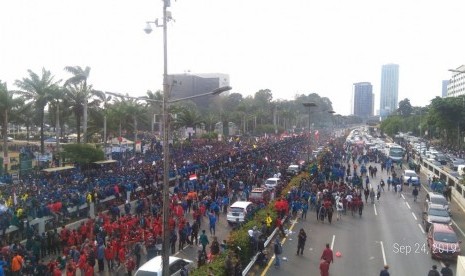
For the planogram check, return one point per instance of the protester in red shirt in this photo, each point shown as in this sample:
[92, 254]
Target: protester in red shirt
[327, 254]
[324, 267]
[109, 256]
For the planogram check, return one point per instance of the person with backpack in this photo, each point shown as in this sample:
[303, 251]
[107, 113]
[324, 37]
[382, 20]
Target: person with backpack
[446, 271]
[278, 250]
[301, 241]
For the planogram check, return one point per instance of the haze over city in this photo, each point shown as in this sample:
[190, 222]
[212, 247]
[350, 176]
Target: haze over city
[290, 47]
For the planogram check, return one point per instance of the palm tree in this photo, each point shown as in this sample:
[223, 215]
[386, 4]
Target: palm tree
[78, 95]
[77, 85]
[154, 103]
[187, 117]
[25, 116]
[39, 89]
[7, 104]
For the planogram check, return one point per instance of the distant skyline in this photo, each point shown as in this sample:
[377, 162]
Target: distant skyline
[290, 47]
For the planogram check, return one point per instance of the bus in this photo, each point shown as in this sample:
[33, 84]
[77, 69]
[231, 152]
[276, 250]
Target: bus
[394, 152]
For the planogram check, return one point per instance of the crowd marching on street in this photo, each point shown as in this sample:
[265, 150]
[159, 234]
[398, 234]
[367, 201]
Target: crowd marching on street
[208, 177]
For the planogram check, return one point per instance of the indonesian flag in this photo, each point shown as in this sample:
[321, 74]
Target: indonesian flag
[317, 134]
[193, 177]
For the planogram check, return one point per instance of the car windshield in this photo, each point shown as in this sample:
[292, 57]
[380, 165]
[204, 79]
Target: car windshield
[439, 201]
[410, 174]
[255, 195]
[438, 212]
[236, 210]
[271, 182]
[445, 237]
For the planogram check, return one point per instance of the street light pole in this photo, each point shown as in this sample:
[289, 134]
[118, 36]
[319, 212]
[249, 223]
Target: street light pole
[165, 192]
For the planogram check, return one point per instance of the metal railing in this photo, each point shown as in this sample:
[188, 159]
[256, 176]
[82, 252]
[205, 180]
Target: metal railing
[267, 242]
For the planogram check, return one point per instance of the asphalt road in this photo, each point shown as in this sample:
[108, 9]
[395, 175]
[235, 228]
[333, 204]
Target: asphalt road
[389, 231]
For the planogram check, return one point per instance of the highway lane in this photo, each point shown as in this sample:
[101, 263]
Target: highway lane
[390, 231]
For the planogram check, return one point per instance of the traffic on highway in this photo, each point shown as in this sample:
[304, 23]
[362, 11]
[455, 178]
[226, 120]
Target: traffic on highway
[410, 226]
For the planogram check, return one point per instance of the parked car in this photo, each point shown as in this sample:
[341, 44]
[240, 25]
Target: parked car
[260, 195]
[293, 170]
[240, 211]
[433, 198]
[443, 242]
[442, 158]
[154, 266]
[455, 163]
[272, 183]
[410, 175]
[435, 214]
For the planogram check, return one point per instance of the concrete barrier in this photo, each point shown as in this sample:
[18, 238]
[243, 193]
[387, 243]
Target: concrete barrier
[458, 191]
[267, 242]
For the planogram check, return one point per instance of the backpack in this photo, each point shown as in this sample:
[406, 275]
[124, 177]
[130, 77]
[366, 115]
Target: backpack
[137, 249]
[278, 248]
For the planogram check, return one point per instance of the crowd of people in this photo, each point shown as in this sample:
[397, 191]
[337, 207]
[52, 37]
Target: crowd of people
[117, 237]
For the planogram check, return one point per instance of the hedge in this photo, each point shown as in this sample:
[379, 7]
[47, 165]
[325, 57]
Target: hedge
[240, 238]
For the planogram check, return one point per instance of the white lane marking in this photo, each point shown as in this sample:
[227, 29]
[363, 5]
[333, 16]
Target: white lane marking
[374, 207]
[421, 228]
[408, 205]
[402, 196]
[332, 242]
[415, 217]
[384, 254]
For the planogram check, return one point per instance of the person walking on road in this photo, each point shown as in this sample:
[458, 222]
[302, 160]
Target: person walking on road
[415, 194]
[278, 250]
[385, 271]
[212, 218]
[301, 241]
[327, 254]
[399, 189]
[203, 239]
[446, 271]
[434, 271]
[372, 196]
[324, 267]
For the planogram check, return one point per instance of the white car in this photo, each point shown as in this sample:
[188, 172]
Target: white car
[272, 182]
[410, 174]
[154, 266]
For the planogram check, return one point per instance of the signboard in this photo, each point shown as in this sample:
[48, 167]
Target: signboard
[6, 160]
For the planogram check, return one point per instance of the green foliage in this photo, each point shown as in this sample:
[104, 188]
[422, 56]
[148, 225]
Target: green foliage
[210, 135]
[392, 125]
[82, 153]
[240, 238]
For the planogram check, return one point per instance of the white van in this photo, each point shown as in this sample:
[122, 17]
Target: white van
[238, 211]
[272, 182]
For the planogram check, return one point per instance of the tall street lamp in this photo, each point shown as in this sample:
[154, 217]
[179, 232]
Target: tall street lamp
[166, 204]
[309, 105]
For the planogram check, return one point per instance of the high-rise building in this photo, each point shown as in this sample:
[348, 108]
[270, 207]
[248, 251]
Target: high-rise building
[363, 99]
[389, 89]
[456, 86]
[445, 83]
[186, 85]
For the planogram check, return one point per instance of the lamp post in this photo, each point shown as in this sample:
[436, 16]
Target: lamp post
[165, 229]
[309, 105]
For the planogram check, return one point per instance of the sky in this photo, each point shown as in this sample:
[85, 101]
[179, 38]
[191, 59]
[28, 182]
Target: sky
[290, 47]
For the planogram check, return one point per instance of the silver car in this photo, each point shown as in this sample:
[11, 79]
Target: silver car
[436, 214]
